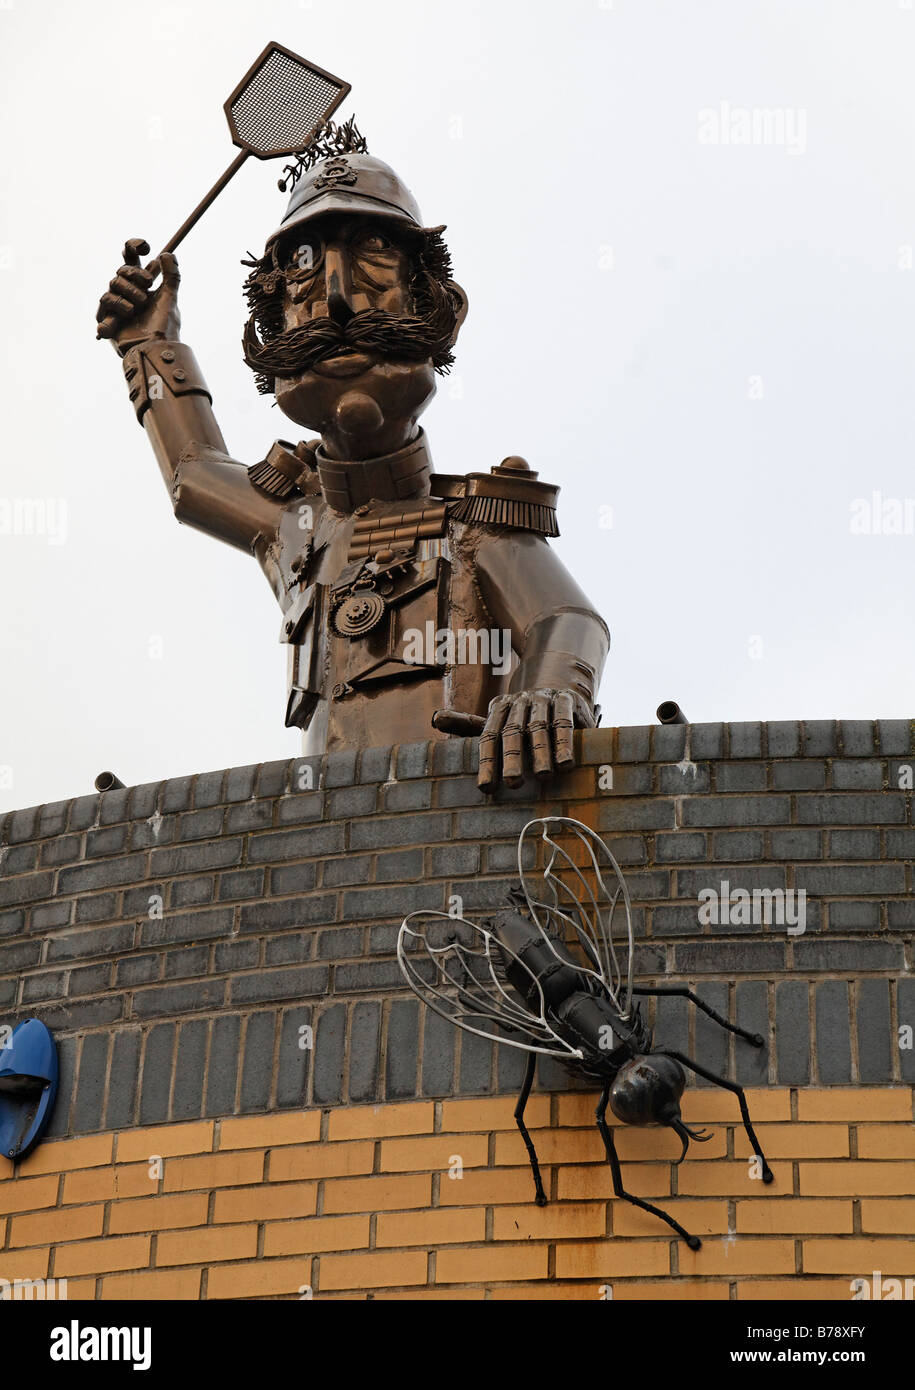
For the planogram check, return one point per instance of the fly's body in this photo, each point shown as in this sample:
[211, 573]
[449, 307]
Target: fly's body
[546, 977]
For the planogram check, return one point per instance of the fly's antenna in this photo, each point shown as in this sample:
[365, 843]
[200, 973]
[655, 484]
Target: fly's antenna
[701, 1136]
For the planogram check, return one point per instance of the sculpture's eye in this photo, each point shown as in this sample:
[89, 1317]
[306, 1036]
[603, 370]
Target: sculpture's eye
[373, 241]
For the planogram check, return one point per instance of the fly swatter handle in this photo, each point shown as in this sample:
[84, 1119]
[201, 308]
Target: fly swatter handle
[109, 326]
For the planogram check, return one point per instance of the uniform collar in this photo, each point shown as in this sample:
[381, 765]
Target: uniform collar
[348, 484]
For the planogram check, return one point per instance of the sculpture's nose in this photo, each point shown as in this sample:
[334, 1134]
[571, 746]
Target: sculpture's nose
[339, 285]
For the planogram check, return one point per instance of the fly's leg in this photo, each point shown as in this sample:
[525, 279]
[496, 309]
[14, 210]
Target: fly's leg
[755, 1038]
[722, 1081]
[539, 1194]
[613, 1159]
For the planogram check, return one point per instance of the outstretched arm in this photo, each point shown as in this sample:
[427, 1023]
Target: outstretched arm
[209, 490]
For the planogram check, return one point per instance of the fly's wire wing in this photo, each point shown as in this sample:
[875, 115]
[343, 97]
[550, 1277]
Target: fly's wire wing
[575, 899]
[466, 982]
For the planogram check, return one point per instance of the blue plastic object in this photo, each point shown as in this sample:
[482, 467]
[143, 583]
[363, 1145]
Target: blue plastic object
[28, 1087]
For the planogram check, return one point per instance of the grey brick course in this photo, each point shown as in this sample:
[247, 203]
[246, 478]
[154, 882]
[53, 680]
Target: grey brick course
[262, 985]
[875, 1035]
[783, 738]
[296, 844]
[857, 776]
[680, 846]
[107, 841]
[833, 1037]
[792, 1031]
[799, 776]
[329, 1055]
[375, 763]
[190, 1070]
[340, 769]
[160, 1000]
[294, 878]
[895, 736]
[100, 907]
[790, 805]
[905, 1007]
[257, 1066]
[398, 865]
[208, 789]
[125, 1071]
[364, 1045]
[93, 1073]
[222, 1068]
[887, 809]
[293, 1059]
[17, 859]
[689, 780]
[736, 810]
[158, 1055]
[296, 810]
[752, 1013]
[385, 833]
[857, 737]
[745, 740]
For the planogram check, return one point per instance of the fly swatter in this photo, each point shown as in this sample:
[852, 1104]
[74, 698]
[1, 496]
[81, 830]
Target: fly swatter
[277, 108]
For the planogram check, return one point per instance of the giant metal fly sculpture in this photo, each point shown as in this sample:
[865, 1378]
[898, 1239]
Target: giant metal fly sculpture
[546, 977]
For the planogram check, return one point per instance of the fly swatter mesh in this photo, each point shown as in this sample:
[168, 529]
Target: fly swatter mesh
[282, 105]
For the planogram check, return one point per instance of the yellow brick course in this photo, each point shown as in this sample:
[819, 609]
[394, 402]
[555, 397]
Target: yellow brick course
[164, 1141]
[381, 1121]
[264, 1207]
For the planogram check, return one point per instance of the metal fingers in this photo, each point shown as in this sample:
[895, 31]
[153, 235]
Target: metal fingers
[544, 718]
[513, 740]
[489, 743]
[606, 1134]
[539, 1194]
[127, 292]
[136, 247]
[538, 724]
[755, 1038]
[767, 1174]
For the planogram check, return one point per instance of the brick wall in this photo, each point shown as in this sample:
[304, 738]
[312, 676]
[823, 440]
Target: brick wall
[361, 1201]
[182, 938]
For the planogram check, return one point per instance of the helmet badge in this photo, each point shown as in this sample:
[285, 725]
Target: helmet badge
[336, 171]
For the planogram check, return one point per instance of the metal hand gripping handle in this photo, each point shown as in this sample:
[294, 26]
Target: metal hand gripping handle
[277, 109]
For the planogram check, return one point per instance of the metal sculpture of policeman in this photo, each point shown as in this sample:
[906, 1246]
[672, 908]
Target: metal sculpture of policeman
[394, 582]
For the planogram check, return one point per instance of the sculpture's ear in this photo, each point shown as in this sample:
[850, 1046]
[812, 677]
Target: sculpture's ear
[461, 306]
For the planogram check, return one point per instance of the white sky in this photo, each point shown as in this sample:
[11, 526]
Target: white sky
[543, 133]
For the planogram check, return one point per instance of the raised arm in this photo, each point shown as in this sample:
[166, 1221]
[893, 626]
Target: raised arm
[209, 490]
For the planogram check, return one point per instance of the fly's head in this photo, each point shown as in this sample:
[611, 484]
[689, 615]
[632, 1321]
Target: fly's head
[647, 1091]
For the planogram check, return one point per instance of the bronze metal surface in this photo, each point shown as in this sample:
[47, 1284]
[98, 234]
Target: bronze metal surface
[414, 605]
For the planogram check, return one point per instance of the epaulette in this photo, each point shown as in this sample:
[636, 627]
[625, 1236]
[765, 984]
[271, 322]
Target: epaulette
[508, 495]
[287, 469]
